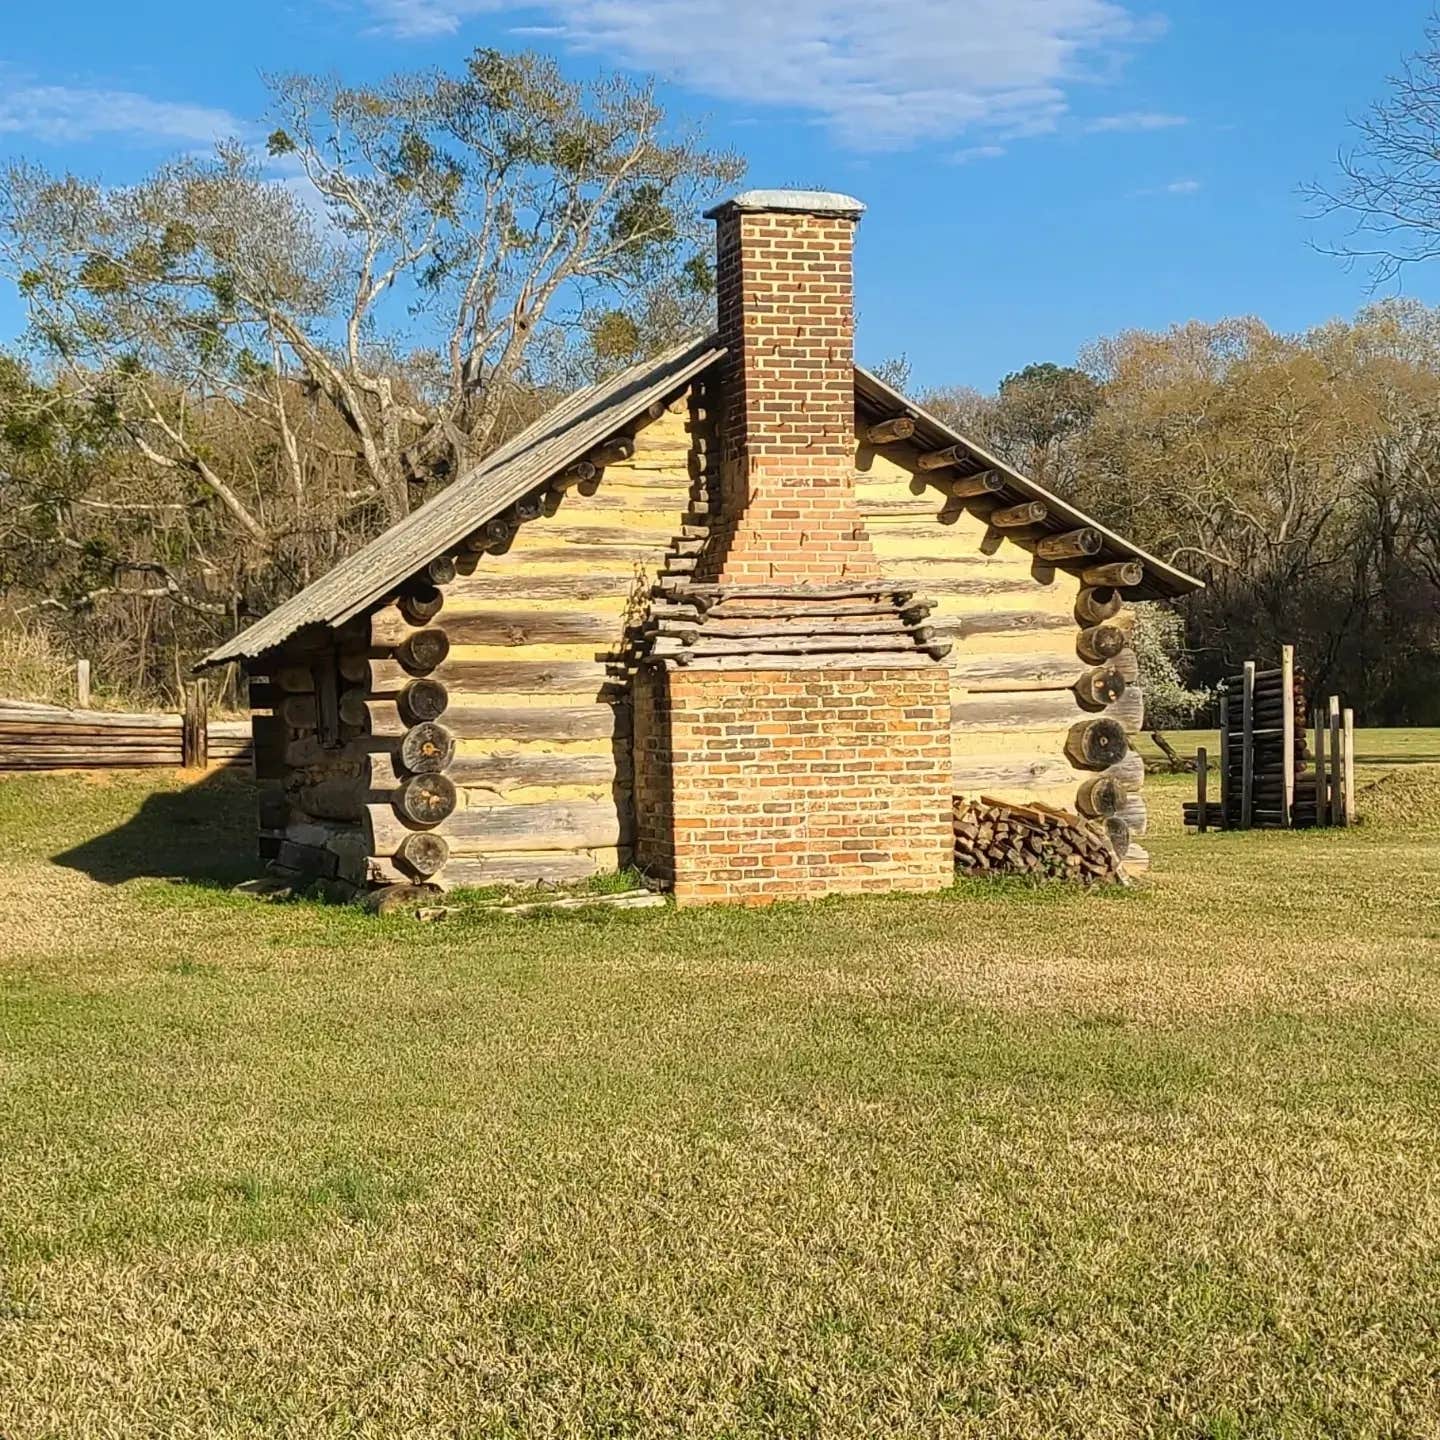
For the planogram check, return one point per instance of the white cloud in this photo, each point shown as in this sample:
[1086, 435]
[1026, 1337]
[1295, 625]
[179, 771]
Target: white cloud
[877, 76]
[1187, 186]
[62, 114]
[1136, 120]
[977, 152]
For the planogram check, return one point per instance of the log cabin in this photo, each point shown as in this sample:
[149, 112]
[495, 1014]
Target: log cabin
[744, 616]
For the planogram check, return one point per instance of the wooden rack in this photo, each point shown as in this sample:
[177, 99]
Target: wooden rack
[1264, 777]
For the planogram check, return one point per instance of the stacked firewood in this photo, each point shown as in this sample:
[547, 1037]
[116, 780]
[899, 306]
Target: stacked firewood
[993, 837]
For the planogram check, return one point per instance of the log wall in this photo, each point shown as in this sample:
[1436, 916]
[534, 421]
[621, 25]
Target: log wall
[535, 676]
[1017, 629]
[482, 728]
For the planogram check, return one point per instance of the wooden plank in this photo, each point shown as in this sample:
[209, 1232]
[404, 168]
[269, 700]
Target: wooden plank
[194, 740]
[1322, 775]
[82, 684]
[1247, 744]
[1287, 720]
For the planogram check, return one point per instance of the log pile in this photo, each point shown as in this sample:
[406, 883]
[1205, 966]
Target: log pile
[996, 838]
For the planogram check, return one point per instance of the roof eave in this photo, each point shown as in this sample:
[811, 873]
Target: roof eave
[1162, 581]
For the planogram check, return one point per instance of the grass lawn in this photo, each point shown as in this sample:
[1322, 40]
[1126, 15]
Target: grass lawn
[999, 1162]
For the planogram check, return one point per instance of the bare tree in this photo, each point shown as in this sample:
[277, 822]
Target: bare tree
[1389, 180]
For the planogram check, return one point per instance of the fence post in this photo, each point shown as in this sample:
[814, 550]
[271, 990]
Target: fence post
[1225, 762]
[1337, 759]
[82, 684]
[1202, 789]
[195, 728]
[1247, 748]
[1322, 776]
[1287, 734]
[1349, 751]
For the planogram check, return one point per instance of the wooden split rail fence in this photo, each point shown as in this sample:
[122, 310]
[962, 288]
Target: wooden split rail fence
[1264, 773]
[49, 737]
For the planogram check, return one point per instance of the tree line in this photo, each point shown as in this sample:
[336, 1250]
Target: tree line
[242, 367]
[1298, 476]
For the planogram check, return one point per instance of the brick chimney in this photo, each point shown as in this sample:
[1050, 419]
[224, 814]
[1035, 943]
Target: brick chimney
[786, 304]
[791, 718]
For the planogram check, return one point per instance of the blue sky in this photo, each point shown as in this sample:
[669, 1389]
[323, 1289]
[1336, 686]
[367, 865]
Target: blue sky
[1038, 172]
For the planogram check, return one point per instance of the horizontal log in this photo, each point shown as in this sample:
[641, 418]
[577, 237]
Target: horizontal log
[501, 626]
[555, 866]
[508, 582]
[502, 773]
[887, 432]
[1100, 643]
[88, 760]
[46, 734]
[1129, 770]
[503, 677]
[1129, 709]
[1126, 574]
[1135, 813]
[1000, 622]
[1096, 744]
[1014, 710]
[422, 854]
[976, 774]
[1096, 604]
[1015, 517]
[1072, 545]
[939, 459]
[515, 722]
[1020, 670]
[87, 719]
[718, 626]
[421, 604]
[967, 487]
[494, 829]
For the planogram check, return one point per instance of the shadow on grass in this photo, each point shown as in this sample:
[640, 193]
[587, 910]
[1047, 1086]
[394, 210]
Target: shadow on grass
[202, 834]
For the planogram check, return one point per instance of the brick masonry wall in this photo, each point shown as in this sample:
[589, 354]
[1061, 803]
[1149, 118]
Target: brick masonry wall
[783, 784]
[787, 438]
